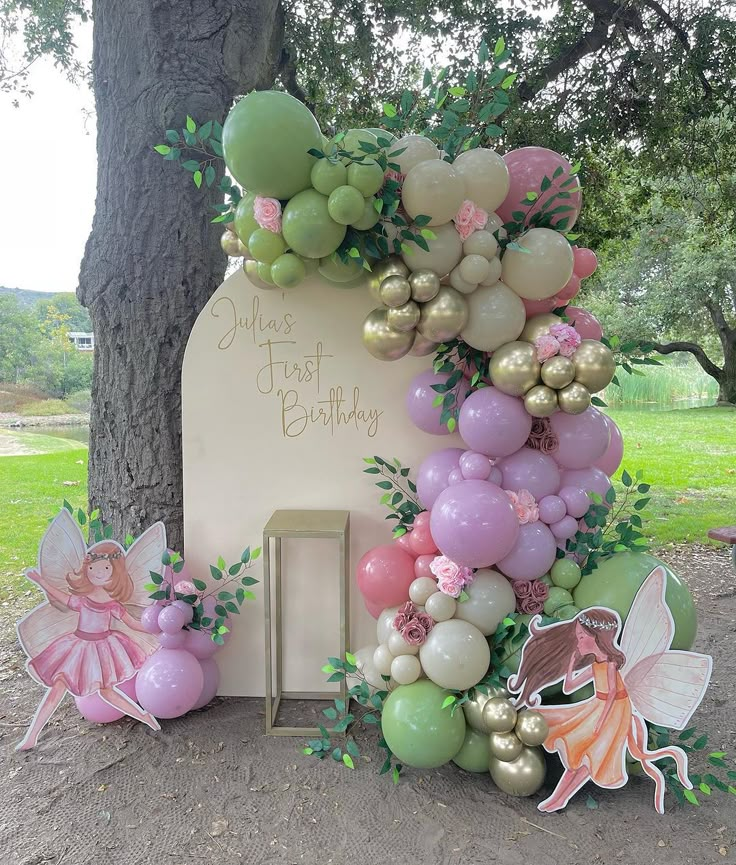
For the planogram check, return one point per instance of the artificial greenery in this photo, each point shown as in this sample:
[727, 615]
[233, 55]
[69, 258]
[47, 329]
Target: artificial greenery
[400, 499]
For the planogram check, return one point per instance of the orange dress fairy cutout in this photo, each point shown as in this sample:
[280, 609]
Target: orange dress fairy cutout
[635, 679]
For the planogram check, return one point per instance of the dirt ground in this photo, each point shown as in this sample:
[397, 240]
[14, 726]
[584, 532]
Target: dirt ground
[211, 788]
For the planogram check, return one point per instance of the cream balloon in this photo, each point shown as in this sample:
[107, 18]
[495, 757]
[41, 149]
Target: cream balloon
[422, 346]
[494, 272]
[473, 707]
[397, 645]
[455, 654]
[543, 268]
[481, 243]
[365, 665]
[385, 624]
[421, 590]
[416, 149]
[495, 226]
[490, 600]
[444, 316]
[496, 316]
[474, 268]
[485, 176]
[445, 251]
[382, 660]
[381, 340]
[440, 606]
[539, 325]
[433, 189]
[514, 368]
[459, 284]
[406, 669]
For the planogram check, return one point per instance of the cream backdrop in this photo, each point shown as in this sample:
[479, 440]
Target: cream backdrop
[280, 403]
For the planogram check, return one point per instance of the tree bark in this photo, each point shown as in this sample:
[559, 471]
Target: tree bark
[153, 258]
[725, 376]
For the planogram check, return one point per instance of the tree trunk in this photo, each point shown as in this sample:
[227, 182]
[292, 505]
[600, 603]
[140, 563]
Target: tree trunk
[153, 258]
[727, 383]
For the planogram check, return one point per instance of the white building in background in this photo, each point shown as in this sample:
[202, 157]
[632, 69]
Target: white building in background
[82, 341]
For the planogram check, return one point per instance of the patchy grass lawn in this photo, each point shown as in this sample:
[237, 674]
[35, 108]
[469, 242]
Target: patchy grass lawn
[689, 458]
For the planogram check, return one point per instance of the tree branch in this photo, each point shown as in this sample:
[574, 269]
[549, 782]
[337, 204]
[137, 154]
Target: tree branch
[287, 74]
[697, 352]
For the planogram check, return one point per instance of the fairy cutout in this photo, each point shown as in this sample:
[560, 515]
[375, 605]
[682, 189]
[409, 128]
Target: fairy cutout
[86, 638]
[636, 678]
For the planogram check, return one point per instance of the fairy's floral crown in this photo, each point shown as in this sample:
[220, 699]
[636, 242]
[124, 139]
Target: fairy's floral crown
[595, 623]
[96, 557]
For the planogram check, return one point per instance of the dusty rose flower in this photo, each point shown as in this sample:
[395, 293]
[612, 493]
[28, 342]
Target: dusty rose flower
[451, 577]
[547, 347]
[567, 337]
[522, 589]
[531, 606]
[414, 633]
[540, 590]
[541, 437]
[267, 213]
[526, 507]
[396, 176]
[425, 620]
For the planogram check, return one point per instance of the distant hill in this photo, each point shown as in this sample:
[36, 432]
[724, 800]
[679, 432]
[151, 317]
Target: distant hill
[63, 301]
[25, 296]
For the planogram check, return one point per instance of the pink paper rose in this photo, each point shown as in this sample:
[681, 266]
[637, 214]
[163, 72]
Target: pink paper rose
[414, 633]
[522, 589]
[547, 347]
[567, 338]
[451, 577]
[469, 218]
[540, 590]
[531, 606]
[267, 213]
[525, 506]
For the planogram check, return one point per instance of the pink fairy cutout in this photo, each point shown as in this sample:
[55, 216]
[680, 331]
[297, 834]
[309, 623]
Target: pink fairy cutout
[636, 678]
[86, 637]
[267, 213]
[469, 218]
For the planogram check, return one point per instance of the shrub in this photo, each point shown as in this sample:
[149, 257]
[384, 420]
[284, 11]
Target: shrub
[13, 397]
[80, 400]
[45, 408]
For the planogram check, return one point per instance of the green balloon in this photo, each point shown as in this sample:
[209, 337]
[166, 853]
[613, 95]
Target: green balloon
[565, 573]
[265, 245]
[288, 271]
[366, 177]
[327, 175]
[336, 270]
[475, 753]
[615, 582]
[352, 139]
[311, 265]
[244, 222]
[557, 598]
[308, 227]
[369, 217]
[416, 727]
[264, 272]
[382, 134]
[345, 205]
[568, 611]
[266, 139]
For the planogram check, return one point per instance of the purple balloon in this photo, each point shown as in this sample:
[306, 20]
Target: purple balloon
[171, 619]
[495, 477]
[611, 459]
[433, 474]
[169, 683]
[551, 509]
[532, 555]
[455, 477]
[149, 619]
[173, 641]
[200, 644]
[581, 438]
[587, 479]
[494, 423]
[420, 397]
[186, 608]
[576, 501]
[211, 673]
[530, 469]
[95, 709]
[565, 528]
[474, 524]
[475, 466]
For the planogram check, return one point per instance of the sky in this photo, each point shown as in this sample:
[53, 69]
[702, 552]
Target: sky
[47, 192]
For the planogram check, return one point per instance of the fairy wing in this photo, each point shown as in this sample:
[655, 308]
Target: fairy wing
[44, 624]
[144, 556]
[62, 550]
[665, 686]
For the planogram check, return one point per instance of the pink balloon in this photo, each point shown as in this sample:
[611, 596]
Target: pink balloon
[172, 619]
[586, 261]
[375, 610]
[527, 168]
[419, 399]
[494, 423]
[187, 609]
[169, 683]
[474, 523]
[581, 438]
[568, 291]
[584, 322]
[475, 466]
[384, 575]
[576, 500]
[532, 555]
[200, 643]
[433, 474]
[565, 528]
[530, 469]
[551, 509]
[611, 459]
[455, 477]
[421, 541]
[587, 479]
[537, 307]
[173, 641]
[95, 709]
[149, 619]
[421, 566]
[421, 520]
[496, 477]
[211, 674]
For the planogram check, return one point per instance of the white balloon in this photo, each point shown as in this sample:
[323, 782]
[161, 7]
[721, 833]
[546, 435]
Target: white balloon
[365, 665]
[474, 268]
[481, 243]
[494, 272]
[397, 645]
[459, 284]
[406, 669]
[496, 315]
[416, 149]
[543, 268]
[421, 589]
[440, 606]
[490, 600]
[455, 655]
[385, 624]
[382, 659]
[485, 175]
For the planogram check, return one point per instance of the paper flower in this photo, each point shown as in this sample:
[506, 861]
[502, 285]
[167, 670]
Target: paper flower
[541, 437]
[547, 346]
[530, 595]
[531, 606]
[412, 624]
[469, 218]
[267, 213]
[567, 338]
[525, 506]
[451, 577]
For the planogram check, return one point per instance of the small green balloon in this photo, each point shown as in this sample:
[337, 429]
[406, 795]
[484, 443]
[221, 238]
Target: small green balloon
[369, 217]
[567, 611]
[353, 138]
[475, 753]
[266, 138]
[336, 270]
[264, 272]
[382, 134]
[308, 227]
[327, 175]
[416, 727]
[557, 598]
[311, 264]
[617, 579]
[288, 271]
[345, 205]
[565, 573]
[367, 177]
[244, 222]
[265, 245]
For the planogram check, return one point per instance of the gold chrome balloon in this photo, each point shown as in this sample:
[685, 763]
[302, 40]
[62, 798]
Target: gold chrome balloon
[558, 371]
[404, 318]
[514, 368]
[522, 776]
[539, 325]
[382, 341]
[424, 285]
[422, 346]
[531, 728]
[595, 365]
[473, 708]
[444, 316]
[499, 715]
[250, 266]
[505, 746]
[381, 269]
[395, 290]
[541, 401]
[232, 245]
[574, 398]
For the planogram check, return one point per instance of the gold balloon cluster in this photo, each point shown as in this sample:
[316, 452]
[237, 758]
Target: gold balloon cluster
[417, 314]
[564, 383]
[232, 245]
[516, 762]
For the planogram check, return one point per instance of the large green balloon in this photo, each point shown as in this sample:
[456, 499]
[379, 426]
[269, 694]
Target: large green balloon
[416, 727]
[265, 140]
[616, 581]
[475, 753]
[308, 227]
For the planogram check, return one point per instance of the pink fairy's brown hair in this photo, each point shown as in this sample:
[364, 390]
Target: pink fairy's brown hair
[119, 586]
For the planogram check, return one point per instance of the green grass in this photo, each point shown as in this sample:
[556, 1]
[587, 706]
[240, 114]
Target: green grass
[11, 440]
[46, 408]
[689, 458]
